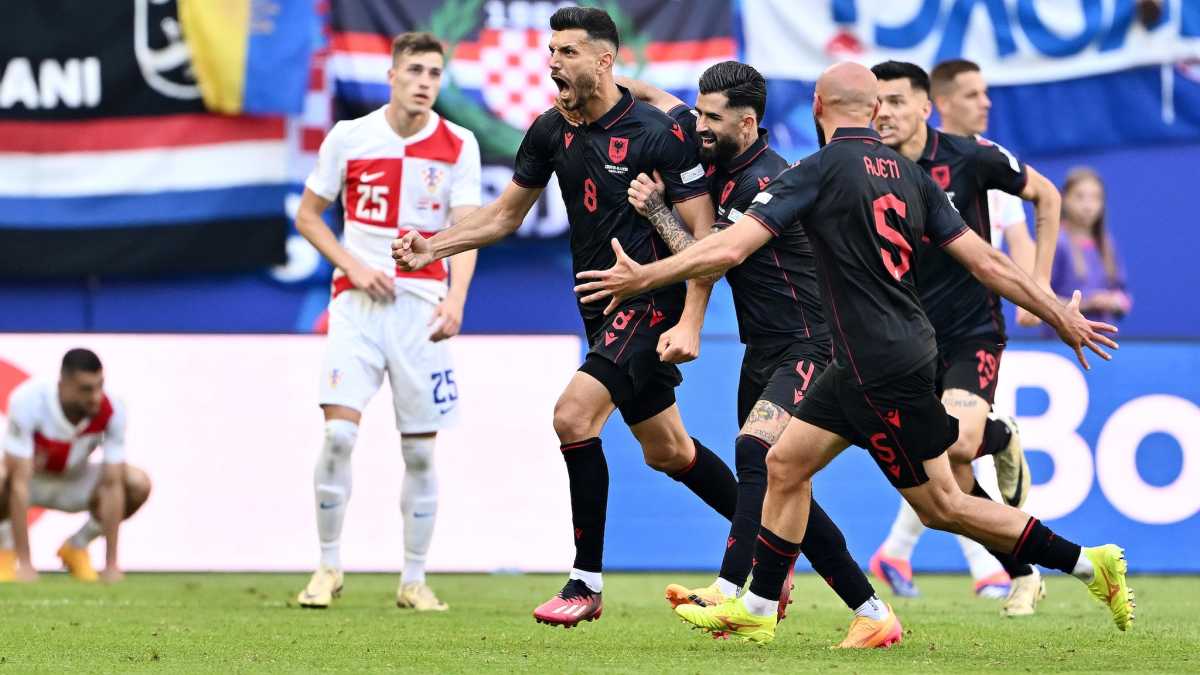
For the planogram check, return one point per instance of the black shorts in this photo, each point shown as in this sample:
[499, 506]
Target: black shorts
[970, 364]
[780, 373]
[901, 423]
[624, 358]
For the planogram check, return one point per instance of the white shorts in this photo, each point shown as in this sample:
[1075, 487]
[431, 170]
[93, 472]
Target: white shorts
[367, 338]
[70, 492]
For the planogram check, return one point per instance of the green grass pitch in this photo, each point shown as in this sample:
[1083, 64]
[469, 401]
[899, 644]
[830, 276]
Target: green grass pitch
[226, 623]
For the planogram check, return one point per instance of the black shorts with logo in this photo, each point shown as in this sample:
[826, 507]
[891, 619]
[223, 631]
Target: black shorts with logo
[624, 358]
[901, 422]
[780, 373]
[971, 364]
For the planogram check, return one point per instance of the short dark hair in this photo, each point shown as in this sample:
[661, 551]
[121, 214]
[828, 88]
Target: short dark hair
[415, 43]
[80, 360]
[744, 86]
[943, 74]
[598, 24]
[895, 70]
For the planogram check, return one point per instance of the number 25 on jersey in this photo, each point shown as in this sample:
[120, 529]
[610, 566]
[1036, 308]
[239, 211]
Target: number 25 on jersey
[372, 203]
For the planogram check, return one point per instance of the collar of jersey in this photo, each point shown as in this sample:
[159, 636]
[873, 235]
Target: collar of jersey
[756, 148]
[848, 133]
[931, 143]
[616, 112]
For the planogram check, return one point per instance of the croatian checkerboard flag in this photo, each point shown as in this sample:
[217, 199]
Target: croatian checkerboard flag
[498, 75]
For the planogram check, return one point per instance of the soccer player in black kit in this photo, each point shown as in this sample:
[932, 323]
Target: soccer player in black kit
[595, 161]
[782, 325]
[965, 315]
[865, 209]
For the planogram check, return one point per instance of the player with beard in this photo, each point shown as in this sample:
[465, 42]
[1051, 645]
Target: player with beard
[781, 323]
[629, 367]
[965, 315]
[866, 208]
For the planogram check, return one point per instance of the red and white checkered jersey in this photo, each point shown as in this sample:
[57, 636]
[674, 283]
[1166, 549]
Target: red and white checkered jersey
[38, 428]
[390, 185]
[1004, 210]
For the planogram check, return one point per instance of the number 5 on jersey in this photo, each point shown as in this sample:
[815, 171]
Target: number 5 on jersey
[891, 202]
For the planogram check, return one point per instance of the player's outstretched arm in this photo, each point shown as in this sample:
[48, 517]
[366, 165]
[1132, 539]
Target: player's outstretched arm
[110, 502]
[20, 473]
[710, 256]
[644, 91]
[1000, 274]
[311, 225]
[484, 227]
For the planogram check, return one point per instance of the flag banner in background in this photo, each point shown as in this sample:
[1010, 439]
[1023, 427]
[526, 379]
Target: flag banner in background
[498, 74]
[1064, 76]
[110, 162]
[250, 56]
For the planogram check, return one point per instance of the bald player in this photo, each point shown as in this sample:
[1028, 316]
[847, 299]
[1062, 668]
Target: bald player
[865, 208]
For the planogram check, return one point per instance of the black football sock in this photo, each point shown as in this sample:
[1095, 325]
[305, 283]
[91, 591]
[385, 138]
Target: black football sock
[751, 461]
[588, 474]
[996, 436]
[1039, 545]
[711, 480]
[825, 547]
[774, 556]
[1015, 568]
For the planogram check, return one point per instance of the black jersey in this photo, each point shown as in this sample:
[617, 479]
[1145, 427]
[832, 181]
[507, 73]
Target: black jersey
[865, 209]
[957, 304]
[595, 164]
[775, 289]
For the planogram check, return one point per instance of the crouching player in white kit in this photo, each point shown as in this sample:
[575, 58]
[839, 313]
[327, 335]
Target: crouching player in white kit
[53, 427]
[399, 168]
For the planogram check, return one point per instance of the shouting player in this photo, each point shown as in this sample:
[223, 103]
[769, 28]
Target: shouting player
[865, 208]
[618, 138]
[780, 321]
[966, 317]
[53, 428]
[402, 168]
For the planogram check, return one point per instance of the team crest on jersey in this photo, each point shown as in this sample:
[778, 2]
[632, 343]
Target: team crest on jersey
[335, 376]
[941, 175]
[617, 149]
[762, 182]
[567, 138]
[432, 177]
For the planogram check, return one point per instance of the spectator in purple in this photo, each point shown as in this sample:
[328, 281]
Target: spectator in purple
[1087, 257]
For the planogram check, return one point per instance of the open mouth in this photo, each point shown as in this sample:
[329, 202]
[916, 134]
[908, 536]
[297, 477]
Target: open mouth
[708, 141]
[563, 86]
[885, 129]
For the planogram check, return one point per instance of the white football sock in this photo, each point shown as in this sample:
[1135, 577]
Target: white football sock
[6, 538]
[418, 504]
[906, 531]
[760, 606]
[1084, 571]
[86, 534]
[873, 608]
[332, 480]
[982, 563]
[592, 580]
[728, 588]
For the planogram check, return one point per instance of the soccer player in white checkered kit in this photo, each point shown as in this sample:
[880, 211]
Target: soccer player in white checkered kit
[401, 169]
[630, 366]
